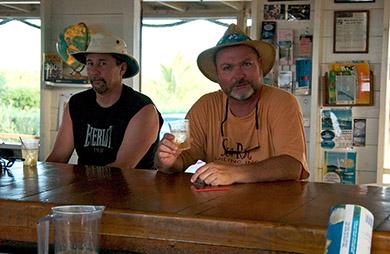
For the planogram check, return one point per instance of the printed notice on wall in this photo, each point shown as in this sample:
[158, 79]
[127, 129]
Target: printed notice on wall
[351, 31]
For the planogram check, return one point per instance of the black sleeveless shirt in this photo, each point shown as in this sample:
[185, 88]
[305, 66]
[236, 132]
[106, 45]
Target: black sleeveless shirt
[98, 132]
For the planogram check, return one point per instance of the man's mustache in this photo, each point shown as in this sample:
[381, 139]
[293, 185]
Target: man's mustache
[97, 79]
[240, 82]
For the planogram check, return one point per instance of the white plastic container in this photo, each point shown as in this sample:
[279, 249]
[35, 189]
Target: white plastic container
[349, 230]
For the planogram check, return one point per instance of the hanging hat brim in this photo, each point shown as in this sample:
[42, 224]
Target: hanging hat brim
[265, 50]
[132, 64]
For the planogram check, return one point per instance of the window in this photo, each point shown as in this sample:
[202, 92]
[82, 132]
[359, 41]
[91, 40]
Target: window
[20, 50]
[170, 75]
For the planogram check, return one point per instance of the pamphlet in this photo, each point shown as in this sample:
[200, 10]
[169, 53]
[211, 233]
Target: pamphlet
[268, 30]
[345, 89]
[304, 49]
[359, 132]
[285, 80]
[285, 43]
[332, 83]
[343, 164]
[361, 69]
[303, 76]
[52, 67]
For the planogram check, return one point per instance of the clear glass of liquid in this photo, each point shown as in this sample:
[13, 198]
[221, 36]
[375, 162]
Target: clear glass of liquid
[181, 130]
[30, 151]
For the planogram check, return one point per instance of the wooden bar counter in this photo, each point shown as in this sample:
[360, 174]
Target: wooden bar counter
[151, 212]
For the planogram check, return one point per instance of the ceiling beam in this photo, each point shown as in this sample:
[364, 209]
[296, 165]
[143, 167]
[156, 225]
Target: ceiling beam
[19, 15]
[19, 2]
[16, 8]
[176, 6]
[190, 14]
[235, 5]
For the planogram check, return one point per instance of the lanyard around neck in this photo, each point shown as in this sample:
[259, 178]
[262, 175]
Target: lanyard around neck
[226, 116]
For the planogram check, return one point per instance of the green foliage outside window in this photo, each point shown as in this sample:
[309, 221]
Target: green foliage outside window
[19, 102]
[180, 85]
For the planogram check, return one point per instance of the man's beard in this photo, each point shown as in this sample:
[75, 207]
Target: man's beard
[101, 88]
[240, 96]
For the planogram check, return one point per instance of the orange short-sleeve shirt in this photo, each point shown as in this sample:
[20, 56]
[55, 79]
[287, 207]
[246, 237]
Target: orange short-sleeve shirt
[242, 140]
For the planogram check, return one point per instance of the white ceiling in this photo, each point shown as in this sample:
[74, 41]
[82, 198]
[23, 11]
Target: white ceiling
[181, 9]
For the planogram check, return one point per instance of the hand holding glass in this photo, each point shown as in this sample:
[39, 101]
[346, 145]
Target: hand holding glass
[181, 130]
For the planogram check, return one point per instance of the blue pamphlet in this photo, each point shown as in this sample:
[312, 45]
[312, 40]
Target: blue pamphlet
[303, 70]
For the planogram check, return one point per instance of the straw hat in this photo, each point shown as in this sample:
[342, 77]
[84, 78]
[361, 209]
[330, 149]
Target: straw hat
[104, 43]
[234, 36]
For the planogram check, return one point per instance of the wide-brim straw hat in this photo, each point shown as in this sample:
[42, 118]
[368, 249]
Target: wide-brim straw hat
[104, 43]
[234, 36]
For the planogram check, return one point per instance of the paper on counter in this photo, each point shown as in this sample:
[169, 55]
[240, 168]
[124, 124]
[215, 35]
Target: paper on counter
[192, 169]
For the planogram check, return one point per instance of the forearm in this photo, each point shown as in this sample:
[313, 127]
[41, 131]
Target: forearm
[278, 168]
[62, 150]
[55, 157]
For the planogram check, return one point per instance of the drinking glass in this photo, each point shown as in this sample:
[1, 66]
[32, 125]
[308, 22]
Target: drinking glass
[30, 151]
[181, 130]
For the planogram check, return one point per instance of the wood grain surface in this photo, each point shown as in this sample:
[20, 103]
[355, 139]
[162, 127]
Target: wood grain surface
[152, 212]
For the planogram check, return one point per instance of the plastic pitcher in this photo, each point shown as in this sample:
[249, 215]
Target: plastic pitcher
[76, 229]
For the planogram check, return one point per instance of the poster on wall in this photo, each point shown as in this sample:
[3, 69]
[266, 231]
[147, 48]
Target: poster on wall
[359, 132]
[339, 167]
[274, 11]
[336, 128]
[298, 12]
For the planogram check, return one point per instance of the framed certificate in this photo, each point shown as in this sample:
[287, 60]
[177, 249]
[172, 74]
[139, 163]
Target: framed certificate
[350, 33]
[354, 1]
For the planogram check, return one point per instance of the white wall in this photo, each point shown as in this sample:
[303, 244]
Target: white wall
[366, 156]
[299, 27]
[321, 26]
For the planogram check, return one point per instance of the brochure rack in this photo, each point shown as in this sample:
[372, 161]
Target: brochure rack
[325, 94]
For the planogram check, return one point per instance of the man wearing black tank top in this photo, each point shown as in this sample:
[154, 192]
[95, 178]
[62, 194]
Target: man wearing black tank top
[110, 124]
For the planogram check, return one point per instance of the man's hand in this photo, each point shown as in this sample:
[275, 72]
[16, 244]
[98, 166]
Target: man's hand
[165, 159]
[215, 174]
[279, 168]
